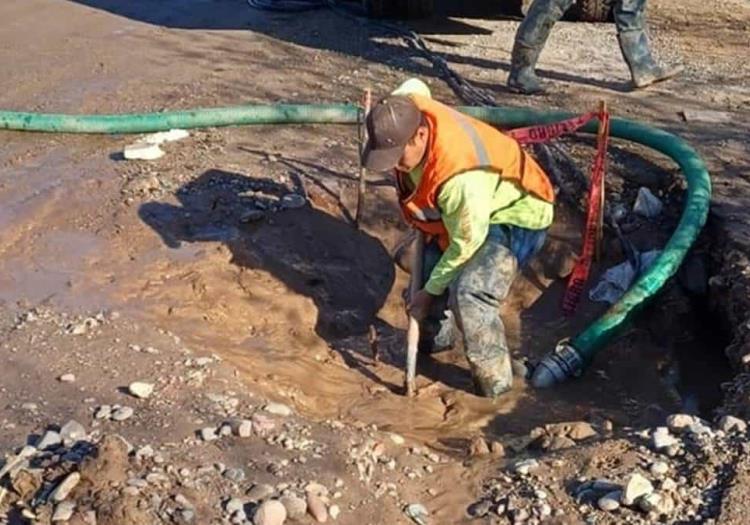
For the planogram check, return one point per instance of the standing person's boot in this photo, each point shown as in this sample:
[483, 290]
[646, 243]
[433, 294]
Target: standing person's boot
[630, 19]
[531, 36]
[644, 70]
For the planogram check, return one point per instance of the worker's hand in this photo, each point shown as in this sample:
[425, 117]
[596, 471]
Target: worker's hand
[419, 306]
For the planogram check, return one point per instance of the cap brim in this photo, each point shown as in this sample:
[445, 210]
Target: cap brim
[381, 159]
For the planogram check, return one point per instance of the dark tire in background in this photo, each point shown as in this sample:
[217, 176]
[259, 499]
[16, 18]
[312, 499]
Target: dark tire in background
[582, 10]
[405, 9]
[592, 10]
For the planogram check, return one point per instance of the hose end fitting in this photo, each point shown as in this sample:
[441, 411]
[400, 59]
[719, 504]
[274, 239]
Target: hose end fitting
[563, 363]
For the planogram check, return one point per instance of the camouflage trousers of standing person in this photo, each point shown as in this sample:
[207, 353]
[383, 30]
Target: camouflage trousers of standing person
[472, 304]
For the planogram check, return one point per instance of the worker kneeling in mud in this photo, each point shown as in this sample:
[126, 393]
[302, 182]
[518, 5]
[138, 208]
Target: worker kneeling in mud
[484, 206]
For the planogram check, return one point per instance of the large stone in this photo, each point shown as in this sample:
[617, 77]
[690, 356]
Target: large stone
[610, 501]
[296, 507]
[636, 487]
[260, 492]
[478, 447]
[526, 466]
[140, 389]
[680, 422]
[63, 512]
[122, 414]
[278, 409]
[270, 512]
[233, 505]
[66, 485]
[732, 424]
[558, 443]
[659, 468]
[649, 502]
[26, 482]
[72, 431]
[334, 511]
[662, 439]
[316, 508]
[208, 434]
[581, 430]
[262, 424]
[50, 439]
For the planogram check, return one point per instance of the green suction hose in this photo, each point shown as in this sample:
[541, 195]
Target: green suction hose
[571, 357]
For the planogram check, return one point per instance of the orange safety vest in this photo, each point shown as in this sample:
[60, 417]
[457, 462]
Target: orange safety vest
[458, 143]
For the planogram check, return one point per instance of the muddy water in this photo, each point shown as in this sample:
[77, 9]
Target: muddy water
[289, 303]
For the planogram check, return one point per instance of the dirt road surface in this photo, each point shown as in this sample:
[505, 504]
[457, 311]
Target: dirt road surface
[194, 274]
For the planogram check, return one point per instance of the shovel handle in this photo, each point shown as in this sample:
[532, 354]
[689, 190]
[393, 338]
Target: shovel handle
[412, 334]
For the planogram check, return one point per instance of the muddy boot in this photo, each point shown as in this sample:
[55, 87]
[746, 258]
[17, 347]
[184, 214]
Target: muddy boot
[492, 379]
[530, 39]
[643, 68]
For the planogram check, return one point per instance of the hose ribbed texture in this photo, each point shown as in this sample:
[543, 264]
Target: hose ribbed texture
[588, 342]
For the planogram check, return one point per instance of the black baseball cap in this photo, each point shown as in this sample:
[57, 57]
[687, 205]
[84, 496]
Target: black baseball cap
[390, 125]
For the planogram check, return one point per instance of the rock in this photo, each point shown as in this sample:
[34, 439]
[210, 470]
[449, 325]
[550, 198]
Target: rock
[208, 434]
[67, 378]
[497, 449]
[698, 428]
[145, 452]
[259, 493]
[233, 505]
[334, 511]
[526, 466]
[316, 508]
[183, 502]
[397, 439]
[479, 509]
[668, 485]
[296, 507]
[50, 439]
[610, 501]
[140, 389]
[31, 407]
[662, 439]
[72, 431]
[14, 463]
[647, 204]
[581, 430]
[278, 409]
[63, 511]
[659, 468]
[262, 424]
[558, 443]
[732, 424]
[186, 516]
[25, 483]
[680, 422]
[63, 489]
[418, 513]
[122, 414]
[478, 447]
[235, 474]
[270, 512]
[142, 151]
[649, 502]
[292, 201]
[103, 412]
[252, 216]
[545, 511]
[636, 487]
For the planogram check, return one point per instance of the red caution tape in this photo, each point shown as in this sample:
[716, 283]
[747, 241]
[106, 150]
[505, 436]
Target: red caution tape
[547, 132]
[582, 268]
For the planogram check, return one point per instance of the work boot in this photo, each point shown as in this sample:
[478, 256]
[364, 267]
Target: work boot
[530, 39]
[493, 380]
[522, 78]
[643, 68]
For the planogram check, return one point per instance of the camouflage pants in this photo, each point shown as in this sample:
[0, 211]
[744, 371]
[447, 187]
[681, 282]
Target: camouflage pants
[630, 20]
[472, 304]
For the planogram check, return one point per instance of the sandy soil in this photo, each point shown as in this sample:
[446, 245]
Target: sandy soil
[168, 257]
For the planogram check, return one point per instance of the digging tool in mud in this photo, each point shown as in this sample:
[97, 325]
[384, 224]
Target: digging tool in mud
[362, 171]
[412, 334]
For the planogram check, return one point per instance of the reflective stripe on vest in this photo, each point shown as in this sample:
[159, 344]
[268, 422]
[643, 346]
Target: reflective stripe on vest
[479, 149]
[423, 214]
